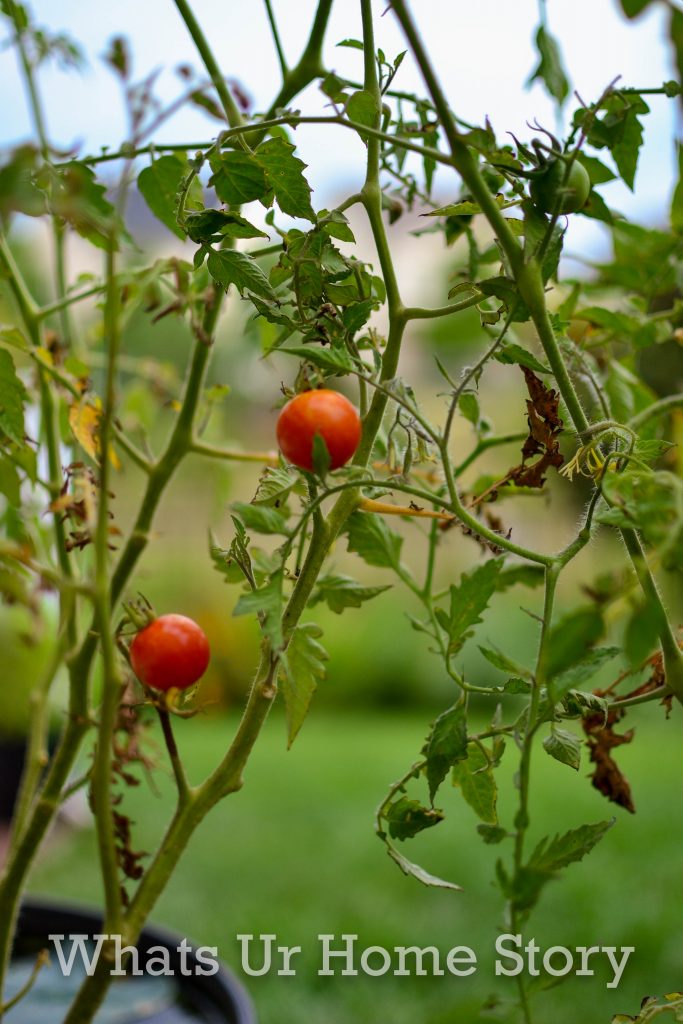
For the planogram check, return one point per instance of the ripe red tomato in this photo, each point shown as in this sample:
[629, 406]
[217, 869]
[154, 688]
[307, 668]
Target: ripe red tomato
[171, 653]
[322, 412]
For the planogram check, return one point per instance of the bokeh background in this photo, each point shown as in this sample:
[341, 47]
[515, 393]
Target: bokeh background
[294, 853]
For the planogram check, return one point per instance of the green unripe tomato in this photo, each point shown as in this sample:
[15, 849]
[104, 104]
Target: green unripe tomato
[555, 191]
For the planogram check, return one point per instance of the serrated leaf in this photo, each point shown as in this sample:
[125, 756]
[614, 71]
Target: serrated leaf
[284, 174]
[234, 563]
[341, 592]
[267, 603]
[651, 503]
[513, 353]
[581, 671]
[203, 226]
[238, 177]
[302, 666]
[274, 486]
[261, 518]
[474, 778]
[551, 855]
[414, 870]
[12, 398]
[446, 744]
[370, 537]
[564, 747]
[469, 599]
[406, 818]
[159, 185]
[334, 360]
[229, 267]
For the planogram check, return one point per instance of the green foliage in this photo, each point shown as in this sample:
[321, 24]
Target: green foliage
[445, 745]
[475, 780]
[302, 666]
[370, 537]
[469, 600]
[340, 592]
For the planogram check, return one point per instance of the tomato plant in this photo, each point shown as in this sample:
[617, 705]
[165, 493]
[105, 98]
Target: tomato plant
[588, 419]
[172, 652]
[326, 414]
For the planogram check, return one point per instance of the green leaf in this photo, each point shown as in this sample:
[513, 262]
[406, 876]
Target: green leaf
[491, 834]
[677, 198]
[569, 638]
[229, 267]
[361, 107]
[642, 632]
[238, 177]
[78, 197]
[649, 502]
[333, 360]
[445, 745]
[12, 398]
[267, 603]
[525, 575]
[513, 353]
[583, 670]
[261, 518]
[370, 537]
[341, 592]
[206, 225]
[415, 871]
[501, 661]
[468, 404]
[354, 44]
[632, 8]
[18, 190]
[564, 747]
[475, 780]
[468, 600]
[10, 484]
[274, 486]
[13, 337]
[547, 860]
[284, 174]
[234, 563]
[159, 185]
[302, 665]
[406, 817]
[553, 855]
[576, 702]
[550, 70]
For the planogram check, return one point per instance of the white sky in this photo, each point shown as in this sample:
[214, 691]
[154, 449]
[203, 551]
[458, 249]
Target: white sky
[483, 50]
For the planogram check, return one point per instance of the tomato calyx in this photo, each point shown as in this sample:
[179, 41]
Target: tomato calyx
[559, 183]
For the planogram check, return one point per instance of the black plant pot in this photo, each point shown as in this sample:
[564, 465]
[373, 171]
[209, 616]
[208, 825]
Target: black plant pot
[181, 999]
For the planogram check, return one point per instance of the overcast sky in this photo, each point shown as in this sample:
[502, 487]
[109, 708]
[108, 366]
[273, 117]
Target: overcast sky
[483, 50]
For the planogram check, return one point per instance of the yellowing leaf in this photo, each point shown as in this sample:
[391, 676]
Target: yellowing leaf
[84, 420]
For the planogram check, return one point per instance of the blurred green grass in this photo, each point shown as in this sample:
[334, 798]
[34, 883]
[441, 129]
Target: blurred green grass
[294, 854]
